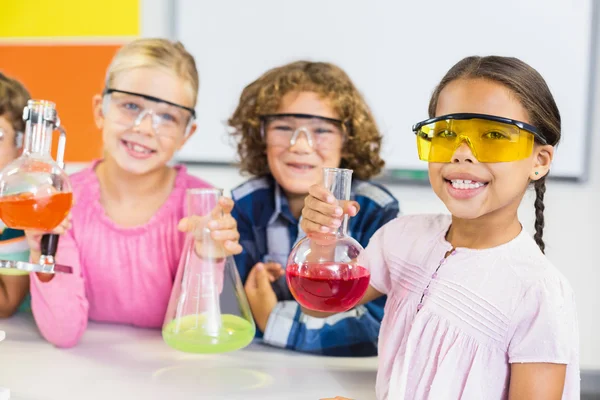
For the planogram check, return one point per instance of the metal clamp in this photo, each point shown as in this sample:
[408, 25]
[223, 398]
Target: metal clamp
[32, 267]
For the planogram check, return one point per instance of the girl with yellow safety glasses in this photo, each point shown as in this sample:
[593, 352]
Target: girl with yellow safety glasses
[475, 310]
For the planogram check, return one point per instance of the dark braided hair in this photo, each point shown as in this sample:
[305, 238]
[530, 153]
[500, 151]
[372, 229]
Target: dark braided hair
[533, 93]
[540, 190]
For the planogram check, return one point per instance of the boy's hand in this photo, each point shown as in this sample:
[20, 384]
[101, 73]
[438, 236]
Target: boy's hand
[322, 213]
[222, 227]
[274, 270]
[260, 293]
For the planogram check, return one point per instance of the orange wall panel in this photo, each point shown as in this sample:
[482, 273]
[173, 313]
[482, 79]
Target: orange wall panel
[68, 75]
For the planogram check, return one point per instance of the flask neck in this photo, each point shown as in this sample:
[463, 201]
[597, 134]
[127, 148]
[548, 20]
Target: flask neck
[338, 181]
[202, 202]
[38, 138]
[343, 229]
[40, 122]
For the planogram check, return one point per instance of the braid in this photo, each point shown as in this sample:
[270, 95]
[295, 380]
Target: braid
[540, 190]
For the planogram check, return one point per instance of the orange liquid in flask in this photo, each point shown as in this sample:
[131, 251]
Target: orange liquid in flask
[24, 211]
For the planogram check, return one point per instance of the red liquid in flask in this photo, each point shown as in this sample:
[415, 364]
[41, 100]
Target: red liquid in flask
[24, 211]
[327, 287]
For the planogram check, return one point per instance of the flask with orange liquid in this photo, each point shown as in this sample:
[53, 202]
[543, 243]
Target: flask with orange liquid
[35, 192]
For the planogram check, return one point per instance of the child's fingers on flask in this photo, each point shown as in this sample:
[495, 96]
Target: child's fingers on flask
[209, 245]
[233, 247]
[330, 210]
[226, 204]
[222, 208]
[33, 233]
[210, 250]
[320, 222]
[350, 207]
[322, 200]
[183, 224]
[229, 239]
[226, 222]
[225, 231]
[223, 235]
[320, 193]
[193, 224]
[64, 226]
[319, 199]
[309, 227]
[33, 239]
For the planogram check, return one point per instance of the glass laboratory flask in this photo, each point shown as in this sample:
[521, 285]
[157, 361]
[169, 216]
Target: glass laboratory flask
[35, 191]
[208, 310]
[323, 273]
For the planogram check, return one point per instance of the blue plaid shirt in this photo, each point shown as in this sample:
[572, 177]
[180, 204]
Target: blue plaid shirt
[268, 231]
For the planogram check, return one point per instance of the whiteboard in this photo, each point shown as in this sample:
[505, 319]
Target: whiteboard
[395, 52]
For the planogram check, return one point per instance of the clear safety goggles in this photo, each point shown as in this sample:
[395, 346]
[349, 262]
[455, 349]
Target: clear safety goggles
[128, 110]
[490, 138]
[284, 130]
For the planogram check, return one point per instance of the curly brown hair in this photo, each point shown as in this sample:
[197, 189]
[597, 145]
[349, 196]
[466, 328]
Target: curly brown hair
[264, 96]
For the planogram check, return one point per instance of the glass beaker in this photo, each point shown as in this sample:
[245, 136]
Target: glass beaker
[208, 310]
[35, 191]
[322, 271]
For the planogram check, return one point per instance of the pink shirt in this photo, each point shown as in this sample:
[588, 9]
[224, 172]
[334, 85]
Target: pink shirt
[481, 311]
[121, 275]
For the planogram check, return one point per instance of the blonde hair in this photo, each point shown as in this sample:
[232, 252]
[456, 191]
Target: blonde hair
[153, 52]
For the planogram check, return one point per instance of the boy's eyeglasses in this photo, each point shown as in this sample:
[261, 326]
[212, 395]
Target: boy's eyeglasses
[284, 130]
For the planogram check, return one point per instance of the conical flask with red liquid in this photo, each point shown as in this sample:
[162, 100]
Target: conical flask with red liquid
[208, 311]
[323, 272]
[35, 191]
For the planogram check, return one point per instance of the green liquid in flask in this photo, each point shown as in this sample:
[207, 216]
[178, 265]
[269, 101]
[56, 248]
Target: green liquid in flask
[189, 334]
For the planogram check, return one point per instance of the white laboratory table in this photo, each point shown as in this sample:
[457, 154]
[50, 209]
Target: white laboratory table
[119, 362]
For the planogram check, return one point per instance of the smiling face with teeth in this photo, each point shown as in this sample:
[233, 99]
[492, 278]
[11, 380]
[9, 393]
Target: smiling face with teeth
[471, 189]
[138, 150]
[299, 166]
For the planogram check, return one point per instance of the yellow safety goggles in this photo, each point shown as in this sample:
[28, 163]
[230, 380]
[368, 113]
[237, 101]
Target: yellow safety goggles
[490, 138]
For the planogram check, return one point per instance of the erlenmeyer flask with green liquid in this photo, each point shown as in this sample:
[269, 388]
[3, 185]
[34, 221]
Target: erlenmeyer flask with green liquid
[208, 310]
